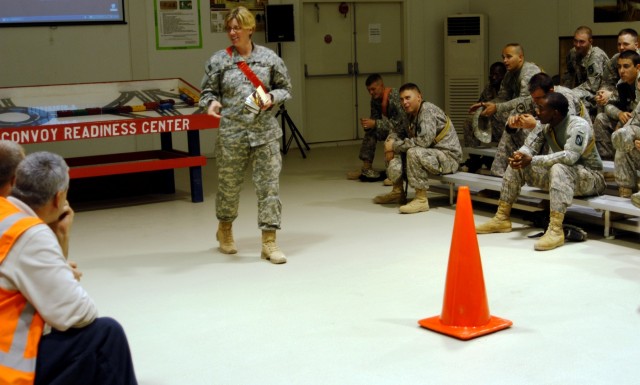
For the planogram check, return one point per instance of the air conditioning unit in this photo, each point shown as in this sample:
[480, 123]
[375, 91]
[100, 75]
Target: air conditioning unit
[465, 64]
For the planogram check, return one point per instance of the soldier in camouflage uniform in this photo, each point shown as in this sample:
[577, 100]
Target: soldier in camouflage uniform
[513, 88]
[571, 168]
[585, 67]
[626, 141]
[386, 114]
[497, 72]
[244, 137]
[618, 111]
[429, 146]
[627, 41]
[523, 115]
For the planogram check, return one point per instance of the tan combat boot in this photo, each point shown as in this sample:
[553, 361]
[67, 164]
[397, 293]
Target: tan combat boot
[625, 192]
[395, 196]
[554, 236]
[225, 237]
[419, 204]
[500, 223]
[270, 250]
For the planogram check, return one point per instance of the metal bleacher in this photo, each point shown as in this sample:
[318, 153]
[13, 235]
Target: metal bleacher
[609, 210]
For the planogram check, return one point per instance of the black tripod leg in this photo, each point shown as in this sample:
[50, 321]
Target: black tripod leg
[295, 132]
[285, 148]
[295, 136]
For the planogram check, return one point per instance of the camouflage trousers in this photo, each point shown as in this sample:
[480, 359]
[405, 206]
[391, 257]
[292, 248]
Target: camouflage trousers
[420, 163]
[603, 127]
[233, 155]
[561, 181]
[369, 142]
[509, 142]
[626, 166]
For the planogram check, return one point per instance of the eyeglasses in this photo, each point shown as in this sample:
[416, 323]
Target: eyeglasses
[234, 29]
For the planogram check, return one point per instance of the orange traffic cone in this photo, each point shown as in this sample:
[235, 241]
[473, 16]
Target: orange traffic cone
[465, 312]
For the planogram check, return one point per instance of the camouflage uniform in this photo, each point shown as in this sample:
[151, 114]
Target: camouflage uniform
[584, 75]
[526, 106]
[514, 88]
[425, 156]
[627, 157]
[575, 169]
[610, 75]
[244, 137]
[470, 140]
[605, 122]
[395, 117]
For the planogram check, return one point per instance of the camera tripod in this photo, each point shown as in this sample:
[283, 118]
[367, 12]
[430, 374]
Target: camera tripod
[295, 134]
[286, 119]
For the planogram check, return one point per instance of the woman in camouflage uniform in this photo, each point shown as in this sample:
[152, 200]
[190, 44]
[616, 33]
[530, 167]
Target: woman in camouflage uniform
[245, 136]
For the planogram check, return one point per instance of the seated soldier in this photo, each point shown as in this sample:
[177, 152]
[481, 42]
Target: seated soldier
[618, 111]
[513, 87]
[386, 114]
[586, 64]
[626, 141]
[523, 114]
[430, 146]
[497, 72]
[571, 168]
[627, 41]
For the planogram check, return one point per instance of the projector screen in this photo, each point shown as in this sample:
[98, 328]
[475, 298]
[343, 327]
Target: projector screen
[16, 13]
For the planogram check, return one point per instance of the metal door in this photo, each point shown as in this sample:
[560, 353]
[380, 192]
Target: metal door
[343, 44]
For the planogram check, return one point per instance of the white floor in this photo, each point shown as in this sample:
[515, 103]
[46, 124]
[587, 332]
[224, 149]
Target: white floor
[344, 309]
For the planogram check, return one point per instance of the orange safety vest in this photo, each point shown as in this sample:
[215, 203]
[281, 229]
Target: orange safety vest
[20, 324]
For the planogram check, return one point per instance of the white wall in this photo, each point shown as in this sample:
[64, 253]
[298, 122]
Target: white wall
[40, 55]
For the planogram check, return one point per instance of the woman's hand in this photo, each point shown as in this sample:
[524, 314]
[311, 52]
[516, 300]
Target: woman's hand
[214, 109]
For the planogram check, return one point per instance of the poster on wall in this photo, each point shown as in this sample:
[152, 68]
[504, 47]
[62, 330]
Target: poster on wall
[178, 24]
[608, 11]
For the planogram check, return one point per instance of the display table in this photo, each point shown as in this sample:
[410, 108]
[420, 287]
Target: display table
[91, 111]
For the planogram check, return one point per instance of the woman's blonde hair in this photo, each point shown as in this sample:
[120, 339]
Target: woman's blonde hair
[243, 16]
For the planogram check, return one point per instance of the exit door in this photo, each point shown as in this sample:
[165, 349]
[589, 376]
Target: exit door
[343, 44]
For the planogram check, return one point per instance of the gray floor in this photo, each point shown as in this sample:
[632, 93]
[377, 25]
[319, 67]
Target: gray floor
[344, 309]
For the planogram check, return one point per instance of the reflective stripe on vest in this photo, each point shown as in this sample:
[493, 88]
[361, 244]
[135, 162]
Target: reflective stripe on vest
[20, 325]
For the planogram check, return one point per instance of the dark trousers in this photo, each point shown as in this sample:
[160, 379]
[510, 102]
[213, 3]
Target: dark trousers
[95, 354]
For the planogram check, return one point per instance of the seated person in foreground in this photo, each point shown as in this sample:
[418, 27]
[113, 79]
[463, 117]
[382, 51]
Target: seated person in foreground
[50, 331]
[571, 168]
[430, 146]
[626, 141]
[618, 111]
[11, 154]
